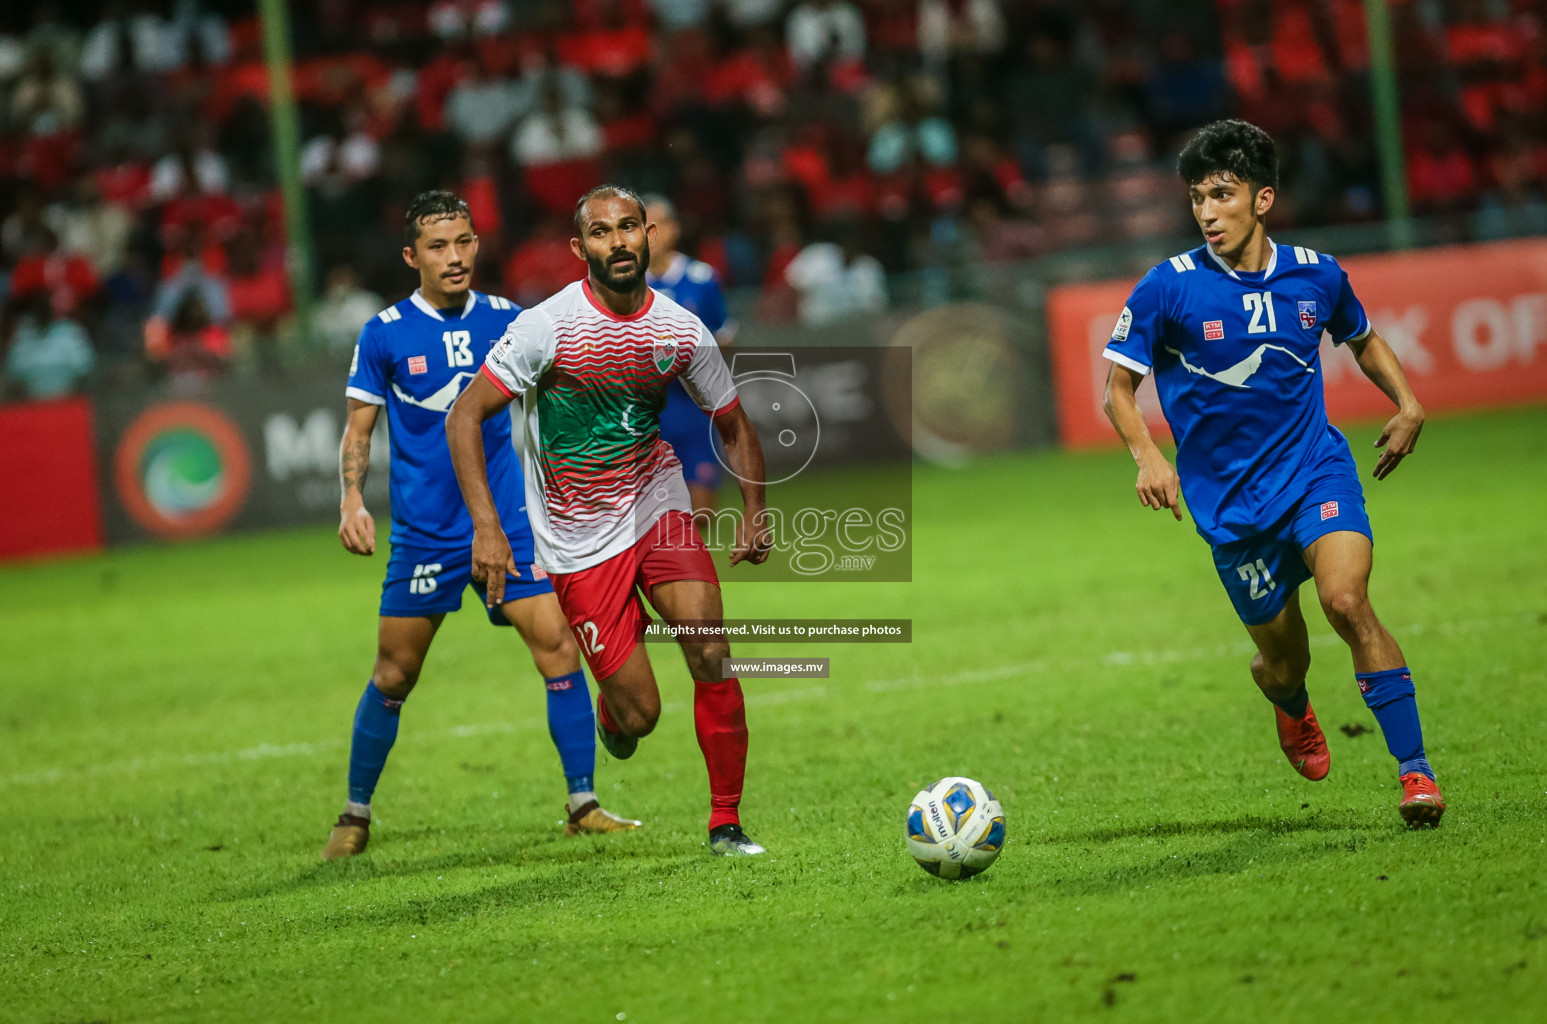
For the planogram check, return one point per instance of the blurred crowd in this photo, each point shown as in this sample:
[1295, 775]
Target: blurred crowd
[804, 143]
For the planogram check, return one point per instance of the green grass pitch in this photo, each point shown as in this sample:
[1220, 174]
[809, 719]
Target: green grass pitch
[174, 727]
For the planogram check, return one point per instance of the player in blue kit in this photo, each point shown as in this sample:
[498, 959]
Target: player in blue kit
[415, 358]
[1231, 331]
[695, 286]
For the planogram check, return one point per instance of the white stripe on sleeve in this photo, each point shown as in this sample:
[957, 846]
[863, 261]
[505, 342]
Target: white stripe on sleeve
[1128, 361]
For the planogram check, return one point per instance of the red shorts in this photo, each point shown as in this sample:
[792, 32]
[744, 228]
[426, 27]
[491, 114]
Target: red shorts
[602, 603]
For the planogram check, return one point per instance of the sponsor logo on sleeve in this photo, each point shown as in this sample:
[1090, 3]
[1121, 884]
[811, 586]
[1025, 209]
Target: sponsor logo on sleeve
[418, 365]
[1307, 314]
[1124, 323]
[1329, 510]
[1213, 330]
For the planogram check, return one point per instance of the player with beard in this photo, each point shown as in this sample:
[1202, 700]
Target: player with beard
[411, 360]
[609, 507]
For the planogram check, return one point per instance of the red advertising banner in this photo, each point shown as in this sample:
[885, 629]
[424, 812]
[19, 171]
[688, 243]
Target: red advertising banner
[48, 462]
[1468, 322]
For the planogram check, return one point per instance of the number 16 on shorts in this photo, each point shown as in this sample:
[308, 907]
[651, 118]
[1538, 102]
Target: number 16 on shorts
[424, 578]
[1257, 574]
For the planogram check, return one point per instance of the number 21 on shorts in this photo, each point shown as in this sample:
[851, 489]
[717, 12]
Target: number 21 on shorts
[1258, 576]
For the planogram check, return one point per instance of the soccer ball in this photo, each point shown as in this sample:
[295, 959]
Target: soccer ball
[955, 828]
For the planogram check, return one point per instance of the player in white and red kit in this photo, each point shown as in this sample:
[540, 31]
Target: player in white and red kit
[609, 508]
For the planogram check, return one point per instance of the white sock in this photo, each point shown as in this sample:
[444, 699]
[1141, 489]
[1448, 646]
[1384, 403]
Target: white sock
[578, 800]
[357, 810]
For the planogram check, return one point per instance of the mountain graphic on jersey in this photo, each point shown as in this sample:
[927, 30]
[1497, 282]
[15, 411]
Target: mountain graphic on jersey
[1249, 431]
[413, 360]
[440, 401]
[1237, 375]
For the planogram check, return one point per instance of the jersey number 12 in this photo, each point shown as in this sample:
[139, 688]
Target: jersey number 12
[459, 348]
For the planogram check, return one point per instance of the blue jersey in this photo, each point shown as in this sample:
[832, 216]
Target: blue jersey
[695, 286]
[1236, 362]
[415, 360]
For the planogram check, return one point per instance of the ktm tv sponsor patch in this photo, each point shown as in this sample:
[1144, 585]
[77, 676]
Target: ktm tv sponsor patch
[1213, 330]
[1329, 510]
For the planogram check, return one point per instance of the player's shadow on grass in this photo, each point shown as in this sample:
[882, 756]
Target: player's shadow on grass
[1317, 821]
[392, 855]
[1253, 845]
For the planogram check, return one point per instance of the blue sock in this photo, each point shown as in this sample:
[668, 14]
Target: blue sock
[1390, 694]
[573, 729]
[376, 721]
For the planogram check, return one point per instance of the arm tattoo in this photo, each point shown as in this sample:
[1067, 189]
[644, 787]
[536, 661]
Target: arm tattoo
[354, 462]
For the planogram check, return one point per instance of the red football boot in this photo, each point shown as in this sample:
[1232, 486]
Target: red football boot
[1304, 744]
[1422, 803]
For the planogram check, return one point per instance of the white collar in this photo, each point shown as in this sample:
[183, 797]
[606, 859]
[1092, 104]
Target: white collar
[429, 310]
[1267, 271]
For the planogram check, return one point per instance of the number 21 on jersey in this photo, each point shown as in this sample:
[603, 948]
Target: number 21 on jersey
[459, 347]
[1258, 303]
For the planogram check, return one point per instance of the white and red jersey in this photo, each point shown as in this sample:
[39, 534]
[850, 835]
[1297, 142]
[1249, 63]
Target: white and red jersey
[592, 385]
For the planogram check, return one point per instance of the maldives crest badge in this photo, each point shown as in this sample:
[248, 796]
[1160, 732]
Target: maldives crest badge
[664, 351]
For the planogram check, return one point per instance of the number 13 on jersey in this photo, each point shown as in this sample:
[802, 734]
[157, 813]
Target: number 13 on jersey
[459, 348]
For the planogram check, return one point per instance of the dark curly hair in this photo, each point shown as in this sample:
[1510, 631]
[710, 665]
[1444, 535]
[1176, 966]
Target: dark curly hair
[437, 204]
[1236, 149]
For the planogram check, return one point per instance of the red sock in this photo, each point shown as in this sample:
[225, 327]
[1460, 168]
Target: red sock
[720, 719]
[603, 717]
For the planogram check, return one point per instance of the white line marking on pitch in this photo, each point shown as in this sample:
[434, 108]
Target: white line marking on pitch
[1119, 659]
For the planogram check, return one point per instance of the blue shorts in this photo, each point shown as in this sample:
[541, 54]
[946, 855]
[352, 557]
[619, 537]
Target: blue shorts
[1261, 572]
[424, 581]
[690, 432]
